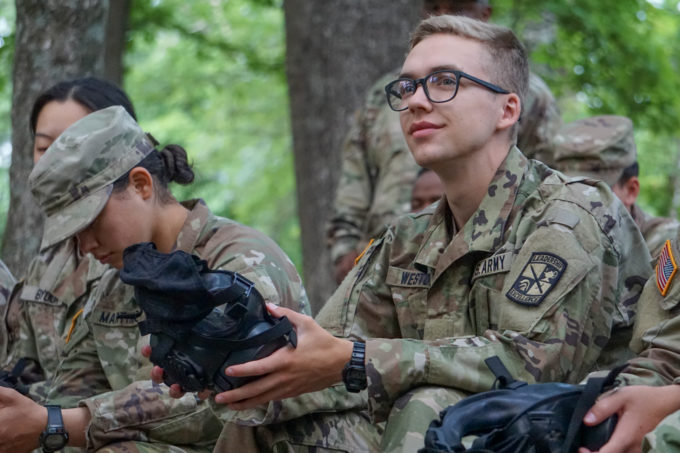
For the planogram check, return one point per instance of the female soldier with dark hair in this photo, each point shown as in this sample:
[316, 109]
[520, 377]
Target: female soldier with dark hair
[59, 279]
[104, 183]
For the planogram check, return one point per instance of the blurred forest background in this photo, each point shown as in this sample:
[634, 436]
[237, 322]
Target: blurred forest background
[224, 78]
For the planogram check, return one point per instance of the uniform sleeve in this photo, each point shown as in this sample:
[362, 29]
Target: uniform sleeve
[17, 326]
[143, 411]
[558, 339]
[11, 313]
[354, 191]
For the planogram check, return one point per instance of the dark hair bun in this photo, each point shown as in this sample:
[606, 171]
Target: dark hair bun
[177, 167]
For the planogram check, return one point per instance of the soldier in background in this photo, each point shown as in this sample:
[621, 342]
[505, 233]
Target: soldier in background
[378, 170]
[603, 147]
[59, 279]
[427, 189]
[7, 282]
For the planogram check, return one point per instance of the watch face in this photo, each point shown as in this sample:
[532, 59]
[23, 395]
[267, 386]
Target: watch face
[354, 373]
[54, 441]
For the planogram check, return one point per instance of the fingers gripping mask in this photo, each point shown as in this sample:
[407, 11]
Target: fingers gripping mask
[201, 321]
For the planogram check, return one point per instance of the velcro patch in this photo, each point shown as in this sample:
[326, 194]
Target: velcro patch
[116, 318]
[495, 264]
[407, 278]
[665, 268]
[537, 279]
[39, 295]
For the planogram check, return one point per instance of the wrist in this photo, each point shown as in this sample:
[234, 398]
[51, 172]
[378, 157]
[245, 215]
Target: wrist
[345, 355]
[37, 424]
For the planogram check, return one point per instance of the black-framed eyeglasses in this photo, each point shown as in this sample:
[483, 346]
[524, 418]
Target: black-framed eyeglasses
[440, 86]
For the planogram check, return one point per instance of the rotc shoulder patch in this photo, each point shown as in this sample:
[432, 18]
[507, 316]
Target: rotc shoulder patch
[537, 279]
[665, 268]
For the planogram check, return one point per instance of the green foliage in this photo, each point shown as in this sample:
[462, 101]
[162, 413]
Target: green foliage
[210, 77]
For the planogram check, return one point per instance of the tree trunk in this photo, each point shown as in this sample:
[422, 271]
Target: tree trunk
[55, 40]
[335, 52]
[675, 183]
[116, 29]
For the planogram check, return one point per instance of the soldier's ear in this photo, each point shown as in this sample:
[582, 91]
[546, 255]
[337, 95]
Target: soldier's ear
[142, 182]
[627, 191]
[511, 109]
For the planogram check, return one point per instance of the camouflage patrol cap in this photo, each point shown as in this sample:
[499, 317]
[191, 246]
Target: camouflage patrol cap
[73, 180]
[600, 147]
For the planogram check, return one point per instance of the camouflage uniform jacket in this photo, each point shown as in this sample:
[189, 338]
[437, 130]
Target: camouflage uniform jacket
[656, 336]
[378, 170]
[657, 340]
[7, 283]
[57, 285]
[103, 353]
[655, 230]
[534, 277]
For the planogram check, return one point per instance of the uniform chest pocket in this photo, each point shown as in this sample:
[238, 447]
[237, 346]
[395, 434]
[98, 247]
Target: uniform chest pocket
[484, 310]
[409, 289]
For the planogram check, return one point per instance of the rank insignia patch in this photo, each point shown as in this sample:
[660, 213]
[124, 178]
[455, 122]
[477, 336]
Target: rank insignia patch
[665, 268]
[537, 279]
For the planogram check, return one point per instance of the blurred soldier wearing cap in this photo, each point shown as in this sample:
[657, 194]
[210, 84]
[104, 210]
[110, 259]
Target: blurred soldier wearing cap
[378, 170]
[603, 147]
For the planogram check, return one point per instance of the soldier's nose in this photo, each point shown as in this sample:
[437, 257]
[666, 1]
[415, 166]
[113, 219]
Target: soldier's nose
[86, 241]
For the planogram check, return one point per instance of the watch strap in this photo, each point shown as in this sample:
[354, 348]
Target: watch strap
[354, 373]
[54, 419]
[55, 428]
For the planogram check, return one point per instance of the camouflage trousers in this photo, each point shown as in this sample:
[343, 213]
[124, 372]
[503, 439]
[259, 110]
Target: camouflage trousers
[412, 414]
[146, 447]
[666, 436]
[349, 431]
[137, 447]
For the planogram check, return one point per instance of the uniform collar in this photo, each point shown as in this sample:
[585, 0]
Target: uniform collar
[442, 244]
[193, 225]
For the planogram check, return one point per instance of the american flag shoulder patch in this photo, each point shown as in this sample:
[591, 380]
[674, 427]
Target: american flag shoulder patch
[665, 268]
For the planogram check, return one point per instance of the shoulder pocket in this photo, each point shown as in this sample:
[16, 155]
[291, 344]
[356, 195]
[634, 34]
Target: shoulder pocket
[550, 264]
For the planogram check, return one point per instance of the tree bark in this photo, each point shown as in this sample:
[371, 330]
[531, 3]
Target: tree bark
[55, 40]
[335, 52]
[675, 183]
[116, 30]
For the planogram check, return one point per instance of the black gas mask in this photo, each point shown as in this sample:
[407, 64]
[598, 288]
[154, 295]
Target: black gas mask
[520, 417]
[192, 339]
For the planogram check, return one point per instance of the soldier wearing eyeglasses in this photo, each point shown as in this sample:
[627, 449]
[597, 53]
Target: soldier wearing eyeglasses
[515, 261]
[378, 169]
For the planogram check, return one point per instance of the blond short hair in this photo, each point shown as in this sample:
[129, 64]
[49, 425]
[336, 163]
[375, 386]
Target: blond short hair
[509, 65]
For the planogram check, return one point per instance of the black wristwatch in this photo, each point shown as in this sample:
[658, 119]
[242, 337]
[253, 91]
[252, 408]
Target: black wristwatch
[354, 373]
[54, 437]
